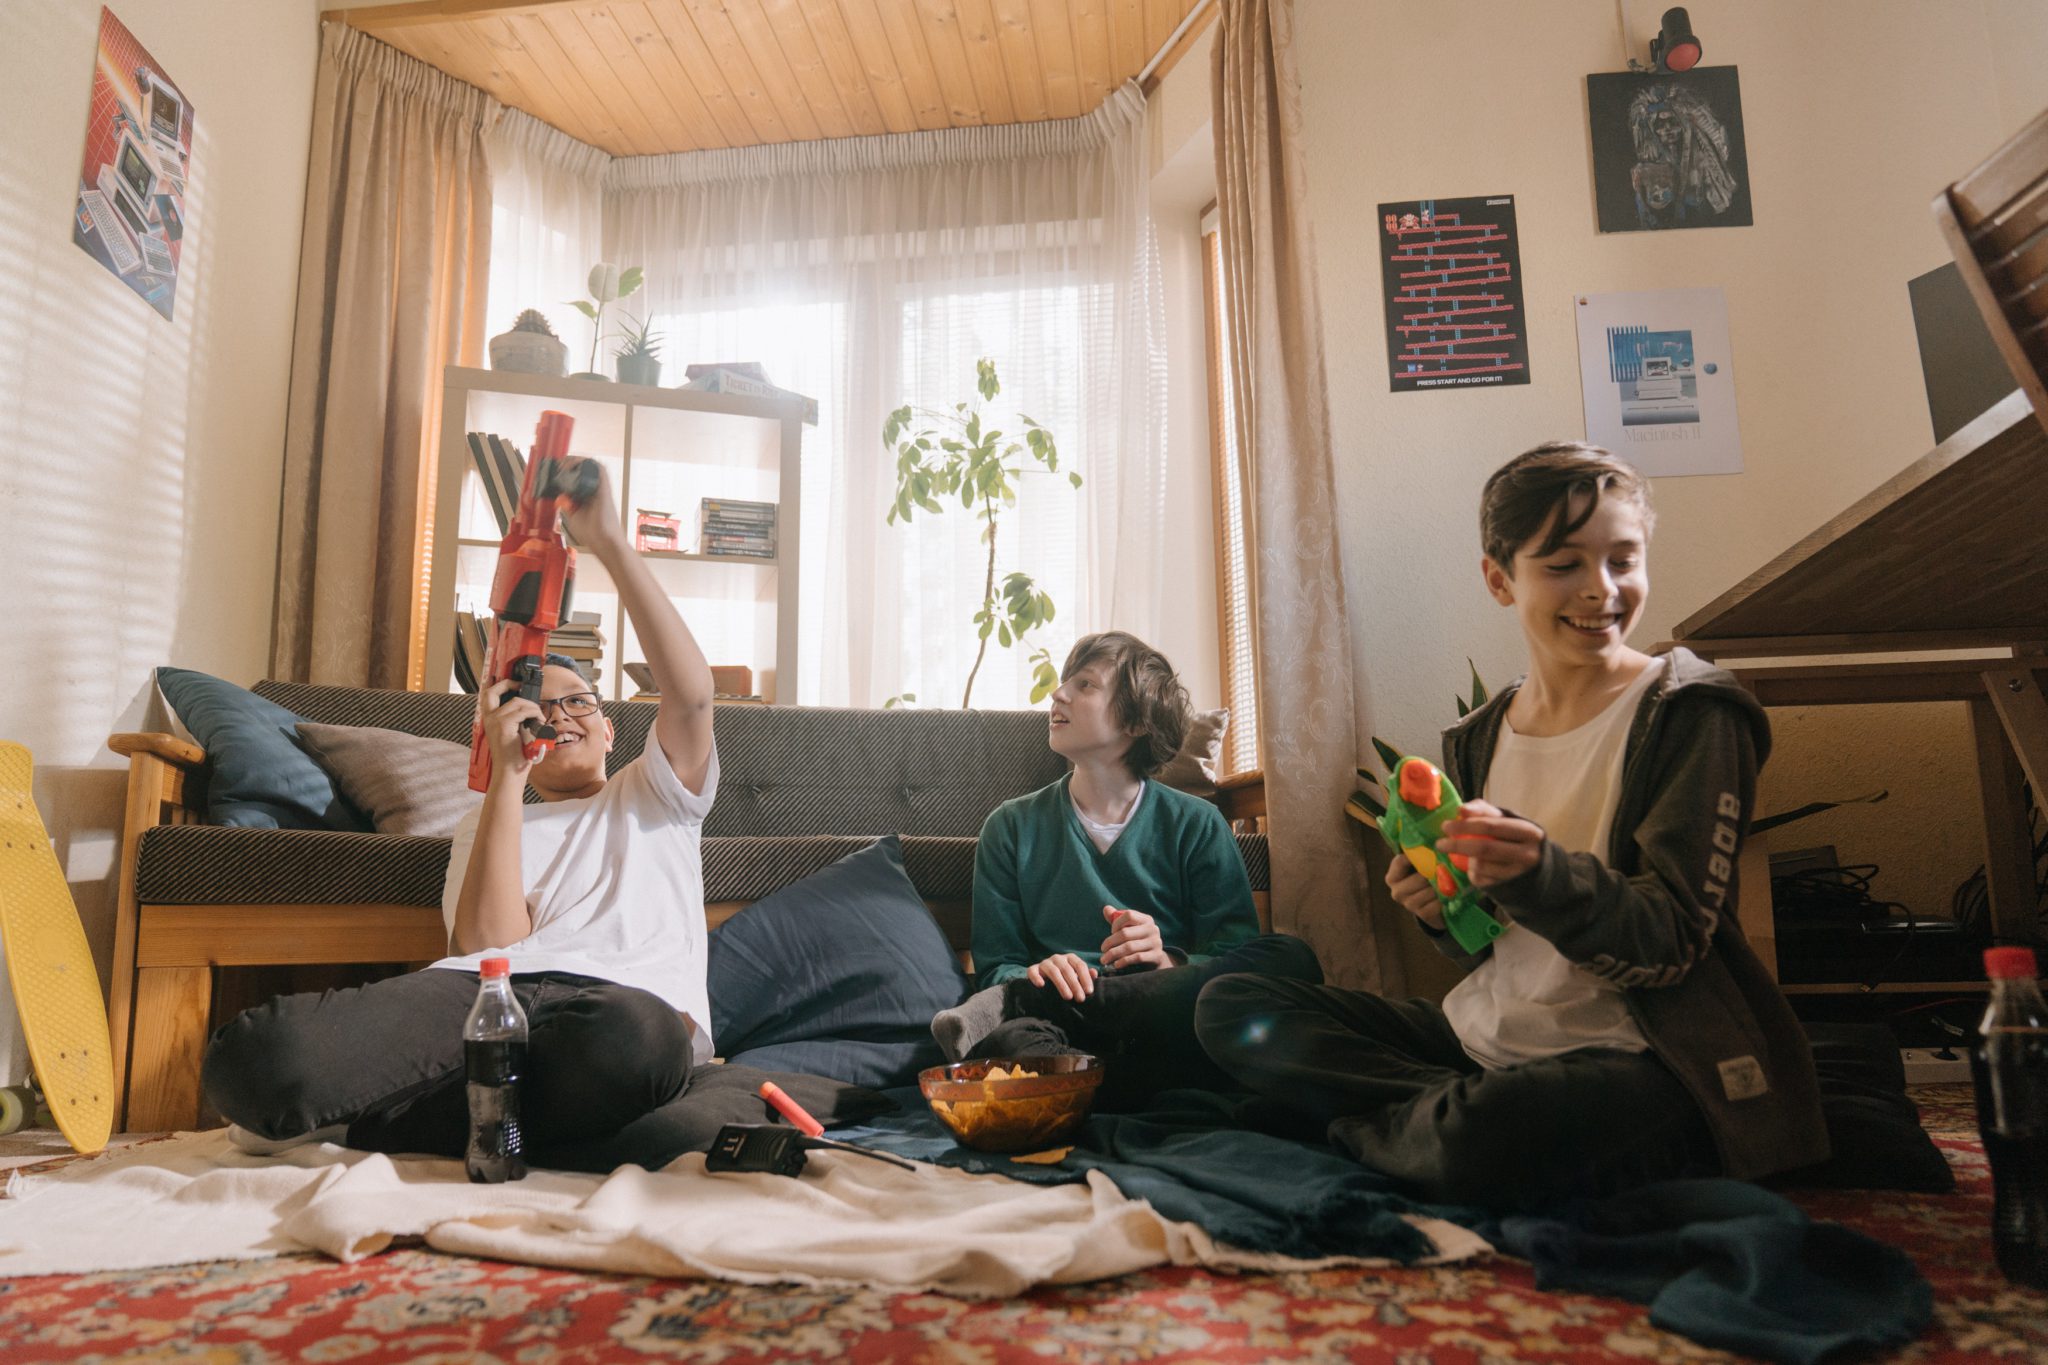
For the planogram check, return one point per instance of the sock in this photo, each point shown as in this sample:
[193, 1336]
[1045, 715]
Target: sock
[959, 1029]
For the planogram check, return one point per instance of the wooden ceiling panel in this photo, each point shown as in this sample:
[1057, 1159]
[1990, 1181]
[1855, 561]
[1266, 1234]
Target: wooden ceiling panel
[913, 58]
[986, 62]
[639, 77]
[1020, 60]
[1091, 50]
[859, 27]
[1052, 25]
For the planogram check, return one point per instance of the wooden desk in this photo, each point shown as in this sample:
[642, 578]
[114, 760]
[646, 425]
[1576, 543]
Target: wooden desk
[1951, 554]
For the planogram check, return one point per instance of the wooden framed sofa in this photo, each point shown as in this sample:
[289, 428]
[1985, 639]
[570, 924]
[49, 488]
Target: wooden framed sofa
[799, 788]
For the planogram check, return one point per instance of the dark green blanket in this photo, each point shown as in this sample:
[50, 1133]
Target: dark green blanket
[1183, 1157]
[1723, 1262]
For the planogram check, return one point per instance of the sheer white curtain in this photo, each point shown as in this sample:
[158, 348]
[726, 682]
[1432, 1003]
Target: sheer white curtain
[869, 272]
[547, 217]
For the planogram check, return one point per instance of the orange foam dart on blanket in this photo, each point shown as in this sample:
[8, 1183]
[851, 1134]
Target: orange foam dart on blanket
[790, 1109]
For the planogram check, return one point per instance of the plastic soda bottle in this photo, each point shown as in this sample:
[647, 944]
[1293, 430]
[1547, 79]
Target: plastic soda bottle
[494, 1052]
[2010, 1066]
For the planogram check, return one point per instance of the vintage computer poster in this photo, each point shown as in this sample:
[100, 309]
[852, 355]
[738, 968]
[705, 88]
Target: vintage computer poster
[1659, 380]
[130, 215]
[1451, 271]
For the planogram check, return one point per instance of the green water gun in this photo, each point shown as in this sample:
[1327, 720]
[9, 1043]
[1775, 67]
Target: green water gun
[1420, 800]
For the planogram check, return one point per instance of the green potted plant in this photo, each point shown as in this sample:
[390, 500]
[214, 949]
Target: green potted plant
[1367, 805]
[640, 357]
[955, 453]
[608, 284]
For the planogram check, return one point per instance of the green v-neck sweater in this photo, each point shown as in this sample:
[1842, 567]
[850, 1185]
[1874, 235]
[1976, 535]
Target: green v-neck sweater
[1040, 884]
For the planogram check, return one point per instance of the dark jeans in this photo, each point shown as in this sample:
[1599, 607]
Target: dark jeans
[1141, 1023]
[608, 1082]
[1387, 1081]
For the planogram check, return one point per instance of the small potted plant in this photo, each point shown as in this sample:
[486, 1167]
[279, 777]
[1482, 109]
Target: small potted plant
[640, 357]
[531, 347]
[608, 284]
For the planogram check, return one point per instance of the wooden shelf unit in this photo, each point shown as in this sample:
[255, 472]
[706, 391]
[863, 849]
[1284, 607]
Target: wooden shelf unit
[1948, 555]
[743, 447]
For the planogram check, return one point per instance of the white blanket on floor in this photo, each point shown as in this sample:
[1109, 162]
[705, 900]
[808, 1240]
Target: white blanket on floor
[848, 1221]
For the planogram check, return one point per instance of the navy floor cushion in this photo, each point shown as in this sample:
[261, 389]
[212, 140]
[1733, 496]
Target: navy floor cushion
[1873, 1128]
[837, 975]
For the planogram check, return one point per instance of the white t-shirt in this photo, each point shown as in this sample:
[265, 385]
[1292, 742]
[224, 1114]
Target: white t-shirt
[1528, 1000]
[615, 884]
[1101, 835]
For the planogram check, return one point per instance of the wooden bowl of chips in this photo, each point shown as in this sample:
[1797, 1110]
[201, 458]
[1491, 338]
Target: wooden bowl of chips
[1013, 1104]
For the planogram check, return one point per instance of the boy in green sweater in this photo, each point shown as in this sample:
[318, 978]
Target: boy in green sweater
[1104, 902]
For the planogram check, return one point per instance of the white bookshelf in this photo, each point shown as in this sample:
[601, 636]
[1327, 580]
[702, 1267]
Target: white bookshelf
[666, 450]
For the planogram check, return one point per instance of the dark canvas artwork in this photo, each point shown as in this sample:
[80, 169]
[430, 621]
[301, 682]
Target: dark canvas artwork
[1451, 271]
[1668, 150]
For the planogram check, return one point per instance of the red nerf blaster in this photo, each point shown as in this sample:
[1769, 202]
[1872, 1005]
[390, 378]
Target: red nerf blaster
[534, 584]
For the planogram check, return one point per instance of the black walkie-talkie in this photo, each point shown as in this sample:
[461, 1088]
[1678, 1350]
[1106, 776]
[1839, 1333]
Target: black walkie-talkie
[776, 1148]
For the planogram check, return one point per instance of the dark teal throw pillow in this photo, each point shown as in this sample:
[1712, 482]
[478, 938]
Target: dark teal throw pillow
[838, 975]
[258, 777]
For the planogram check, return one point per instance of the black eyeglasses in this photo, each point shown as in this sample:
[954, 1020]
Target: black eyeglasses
[575, 704]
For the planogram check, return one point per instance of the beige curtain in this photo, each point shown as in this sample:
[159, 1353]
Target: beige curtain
[392, 286]
[1308, 723]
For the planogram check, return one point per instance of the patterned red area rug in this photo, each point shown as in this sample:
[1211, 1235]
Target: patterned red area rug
[416, 1305]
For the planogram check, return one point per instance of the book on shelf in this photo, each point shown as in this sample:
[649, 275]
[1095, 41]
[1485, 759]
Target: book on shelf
[580, 639]
[577, 638]
[744, 377]
[487, 474]
[473, 636]
[729, 682]
[502, 471]
[734, 526]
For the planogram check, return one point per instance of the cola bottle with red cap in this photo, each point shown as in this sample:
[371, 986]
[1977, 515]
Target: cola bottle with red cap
[494, 1052]
[2010, 1066]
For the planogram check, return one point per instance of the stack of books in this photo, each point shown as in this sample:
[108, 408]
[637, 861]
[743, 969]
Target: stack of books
[747, 377]
[729, 682]
[731, 526]
[502, 470]
[580, 639]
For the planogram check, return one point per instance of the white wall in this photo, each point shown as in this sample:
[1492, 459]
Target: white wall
[1856, 116]
[140, 458]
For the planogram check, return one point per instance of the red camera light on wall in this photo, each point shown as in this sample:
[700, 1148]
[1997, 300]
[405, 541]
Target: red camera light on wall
[1675, 48]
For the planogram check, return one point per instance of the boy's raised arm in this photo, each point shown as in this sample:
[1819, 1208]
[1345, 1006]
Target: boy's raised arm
[490, 906]
[682, 726]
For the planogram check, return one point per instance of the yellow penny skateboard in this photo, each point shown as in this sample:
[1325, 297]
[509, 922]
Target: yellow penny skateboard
[56, 987]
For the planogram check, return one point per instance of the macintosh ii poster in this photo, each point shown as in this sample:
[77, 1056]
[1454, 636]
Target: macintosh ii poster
[1658, 377]
[130, 215]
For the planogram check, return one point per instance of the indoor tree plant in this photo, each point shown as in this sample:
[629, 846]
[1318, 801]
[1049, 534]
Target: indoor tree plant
[942, 454]
[608, 284]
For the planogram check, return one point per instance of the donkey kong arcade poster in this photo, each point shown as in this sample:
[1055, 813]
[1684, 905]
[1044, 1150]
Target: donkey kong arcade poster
[1451, 272]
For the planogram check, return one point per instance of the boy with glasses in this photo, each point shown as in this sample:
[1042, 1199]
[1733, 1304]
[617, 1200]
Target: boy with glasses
[596, 894]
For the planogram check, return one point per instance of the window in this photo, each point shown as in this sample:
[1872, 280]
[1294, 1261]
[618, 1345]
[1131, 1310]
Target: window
[1236, 629]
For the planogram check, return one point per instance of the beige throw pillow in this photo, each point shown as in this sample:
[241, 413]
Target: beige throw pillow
[405, 784]
[1194, 768]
